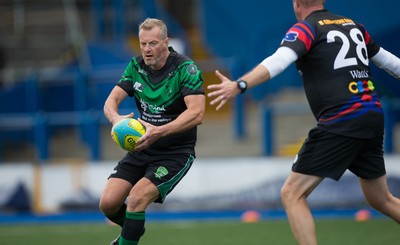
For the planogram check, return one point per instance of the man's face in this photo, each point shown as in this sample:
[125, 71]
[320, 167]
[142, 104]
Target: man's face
[153, 48]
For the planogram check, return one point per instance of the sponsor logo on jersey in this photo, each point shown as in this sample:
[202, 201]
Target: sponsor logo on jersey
[114, 171]
[291, 36]
[301, 31]
[153, 108]
[363, 100]
[359, 74]
[342, 21]
[191, 70]
[364, 86]
[138, 86]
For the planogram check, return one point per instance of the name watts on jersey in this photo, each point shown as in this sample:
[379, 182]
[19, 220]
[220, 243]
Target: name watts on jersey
[359, 74]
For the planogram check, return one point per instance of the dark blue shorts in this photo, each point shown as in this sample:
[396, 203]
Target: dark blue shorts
[329, 155]
[165, 171]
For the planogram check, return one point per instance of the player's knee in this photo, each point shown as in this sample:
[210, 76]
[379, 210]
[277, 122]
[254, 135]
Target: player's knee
[289, 195]
[104, 207]
[108, 206]
[378, 203]
[285, 195]
[137, 202]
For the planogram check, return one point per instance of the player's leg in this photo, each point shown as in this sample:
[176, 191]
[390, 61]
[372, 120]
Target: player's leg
[140, 197]
[112, 201]
[124, 176]
[378, 196]
[323, 154]
[370, 168]
[163, 173]
[294, 195]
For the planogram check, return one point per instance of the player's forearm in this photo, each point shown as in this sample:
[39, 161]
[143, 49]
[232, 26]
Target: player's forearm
[270, 67]
[256, 76]
[184, 122]
[111, 110]
[112, 103]
[190, 118]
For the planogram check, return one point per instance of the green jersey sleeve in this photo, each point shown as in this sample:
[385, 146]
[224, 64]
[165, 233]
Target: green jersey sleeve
[191, 79]
[126, 80]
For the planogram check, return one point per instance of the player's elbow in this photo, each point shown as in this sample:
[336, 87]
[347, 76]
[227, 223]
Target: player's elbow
[196, 107]
[198, 117]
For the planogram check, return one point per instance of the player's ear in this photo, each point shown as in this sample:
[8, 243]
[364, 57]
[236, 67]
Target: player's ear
[167, 41]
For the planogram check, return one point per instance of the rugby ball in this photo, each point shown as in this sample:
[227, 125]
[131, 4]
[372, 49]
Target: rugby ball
[126, 132]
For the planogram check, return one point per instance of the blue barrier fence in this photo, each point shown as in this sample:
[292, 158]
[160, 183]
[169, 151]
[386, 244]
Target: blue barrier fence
[43, 104]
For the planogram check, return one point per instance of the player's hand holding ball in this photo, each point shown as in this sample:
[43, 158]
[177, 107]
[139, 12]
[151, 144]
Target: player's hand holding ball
[126, 132]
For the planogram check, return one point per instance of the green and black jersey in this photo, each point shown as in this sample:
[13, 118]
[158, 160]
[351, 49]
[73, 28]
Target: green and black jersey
[159, 96]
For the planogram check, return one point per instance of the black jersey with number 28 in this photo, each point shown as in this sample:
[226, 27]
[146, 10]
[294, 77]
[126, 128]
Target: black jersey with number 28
[333, 61]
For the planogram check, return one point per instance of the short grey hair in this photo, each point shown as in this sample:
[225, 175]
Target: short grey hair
[150, 23]
[310, 3]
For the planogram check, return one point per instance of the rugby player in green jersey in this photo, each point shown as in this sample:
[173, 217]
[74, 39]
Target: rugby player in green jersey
[167, 89]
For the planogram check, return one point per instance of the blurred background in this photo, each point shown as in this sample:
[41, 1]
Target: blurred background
[59, 59]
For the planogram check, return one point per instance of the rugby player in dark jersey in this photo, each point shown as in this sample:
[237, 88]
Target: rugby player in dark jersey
[167, 89]
[332, 54]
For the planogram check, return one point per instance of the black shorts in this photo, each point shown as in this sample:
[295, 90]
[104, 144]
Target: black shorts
[330, 155]
[165, 171]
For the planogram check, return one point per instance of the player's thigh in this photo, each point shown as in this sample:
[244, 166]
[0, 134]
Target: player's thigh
[375, 190]
[299, 185]
[142, 194]
[326, 155]
[370, 163]
[167, 171]
[114, 194]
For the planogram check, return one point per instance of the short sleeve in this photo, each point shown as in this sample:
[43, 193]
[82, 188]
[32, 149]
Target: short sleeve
[191, 80]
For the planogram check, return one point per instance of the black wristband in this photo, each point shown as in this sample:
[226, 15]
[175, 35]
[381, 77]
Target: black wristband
[242, 85]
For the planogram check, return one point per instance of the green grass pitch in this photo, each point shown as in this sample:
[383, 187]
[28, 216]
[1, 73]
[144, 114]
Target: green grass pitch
[374, 232]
